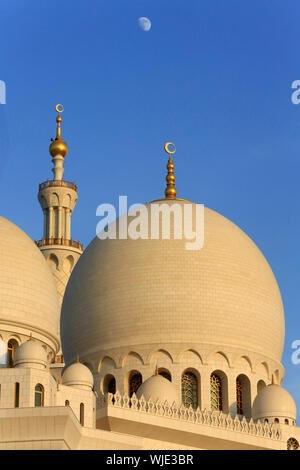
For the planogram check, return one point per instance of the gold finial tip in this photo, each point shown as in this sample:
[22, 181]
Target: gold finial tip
[77, 359]
[167, 148]
[59, 108]
[170, 191]
[58, 147]
[156, 370]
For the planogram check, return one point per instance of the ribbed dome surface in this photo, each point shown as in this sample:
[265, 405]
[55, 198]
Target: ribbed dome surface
[136, 292]
[28, 297]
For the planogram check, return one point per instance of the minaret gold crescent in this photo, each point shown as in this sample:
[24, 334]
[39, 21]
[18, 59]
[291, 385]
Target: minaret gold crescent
[170, 152]
[59, 108]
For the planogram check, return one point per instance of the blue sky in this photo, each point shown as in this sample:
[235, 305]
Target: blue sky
[213, 76]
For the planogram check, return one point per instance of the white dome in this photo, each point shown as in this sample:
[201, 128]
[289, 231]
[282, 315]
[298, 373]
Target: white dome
[274, 401]
[138, 294]
[158, 388]
[79, 376]
[28, 296]
[30, 354]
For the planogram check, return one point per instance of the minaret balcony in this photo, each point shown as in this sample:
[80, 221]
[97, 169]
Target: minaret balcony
[61, 183]
[59, 241]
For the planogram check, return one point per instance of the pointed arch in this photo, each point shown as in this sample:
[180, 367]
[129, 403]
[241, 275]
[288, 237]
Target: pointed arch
[106, 362]
[261, 384]
[219, 356]
[263, 369]
[161, 355]
[190, 354]
[132, 355]
[244, 361]
[52, 261]
[54, 200]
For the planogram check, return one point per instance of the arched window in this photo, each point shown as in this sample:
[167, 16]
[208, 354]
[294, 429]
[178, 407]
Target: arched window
[286, 421]
[189, 389]
[11, 348]
[260, 385]
[82, 414]
[111, 386]
[292, 444]
[216, 392]
[239, 397]
[243, 396]
[165, 373]
[17, 394]
[266, 421]
[39, 395]
[67, 403]
[276, 420]
[135, 380]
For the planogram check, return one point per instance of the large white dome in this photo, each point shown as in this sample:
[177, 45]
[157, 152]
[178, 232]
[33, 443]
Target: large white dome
[28, 297]
[155, 293]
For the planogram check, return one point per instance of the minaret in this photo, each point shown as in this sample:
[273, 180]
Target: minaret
[57, 198]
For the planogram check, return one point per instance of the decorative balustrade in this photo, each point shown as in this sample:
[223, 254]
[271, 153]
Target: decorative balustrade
[209, 418]
[61, 183]
[59, 241]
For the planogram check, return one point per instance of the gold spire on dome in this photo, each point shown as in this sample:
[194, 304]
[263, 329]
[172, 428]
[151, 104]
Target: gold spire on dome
[170, 191]
[77, 359]
[156, 371]
[58, 146]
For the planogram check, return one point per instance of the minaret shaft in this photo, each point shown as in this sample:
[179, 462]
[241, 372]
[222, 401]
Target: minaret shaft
[58, 198]
[58, 168]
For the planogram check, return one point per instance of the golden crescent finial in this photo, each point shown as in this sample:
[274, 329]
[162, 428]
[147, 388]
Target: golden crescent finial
[170, 191]
[170, 152]
[59, 108]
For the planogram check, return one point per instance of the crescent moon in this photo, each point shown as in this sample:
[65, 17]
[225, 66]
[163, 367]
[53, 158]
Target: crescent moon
[59, 108]
[170, 152]
[144, 23]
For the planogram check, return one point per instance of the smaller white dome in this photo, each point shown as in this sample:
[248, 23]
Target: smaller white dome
[274, 401]
[158, 388]
[31, 354]
[79, 376]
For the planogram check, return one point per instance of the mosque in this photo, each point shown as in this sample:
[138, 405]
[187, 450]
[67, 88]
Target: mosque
[138, 344]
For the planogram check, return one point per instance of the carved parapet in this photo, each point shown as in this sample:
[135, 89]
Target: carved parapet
[216, 419]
